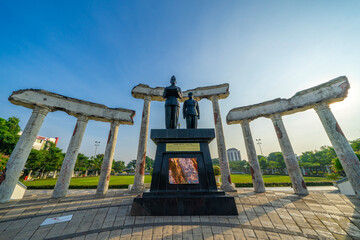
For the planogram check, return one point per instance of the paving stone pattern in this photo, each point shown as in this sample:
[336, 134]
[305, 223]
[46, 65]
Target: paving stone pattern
[269, 215]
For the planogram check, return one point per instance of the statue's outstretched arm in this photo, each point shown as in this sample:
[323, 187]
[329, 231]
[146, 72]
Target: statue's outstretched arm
[164, 93]
[180, 93]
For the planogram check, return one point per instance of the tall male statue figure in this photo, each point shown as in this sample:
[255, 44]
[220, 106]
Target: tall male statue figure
[172, 105]
[191, 112]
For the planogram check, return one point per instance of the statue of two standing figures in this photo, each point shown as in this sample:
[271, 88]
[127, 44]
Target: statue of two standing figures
[191, 110]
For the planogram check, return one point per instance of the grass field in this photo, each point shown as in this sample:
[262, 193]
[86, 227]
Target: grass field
[125, 180]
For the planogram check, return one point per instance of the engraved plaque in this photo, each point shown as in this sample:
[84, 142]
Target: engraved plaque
[183, 147]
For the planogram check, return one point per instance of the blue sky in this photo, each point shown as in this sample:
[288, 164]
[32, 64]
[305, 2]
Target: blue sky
[98, 51]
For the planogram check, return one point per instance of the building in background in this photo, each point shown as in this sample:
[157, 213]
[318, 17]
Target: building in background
[233, 154]
[41, 142]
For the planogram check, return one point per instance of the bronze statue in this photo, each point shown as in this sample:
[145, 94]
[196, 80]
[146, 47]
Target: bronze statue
[191, 112]
[172, 105]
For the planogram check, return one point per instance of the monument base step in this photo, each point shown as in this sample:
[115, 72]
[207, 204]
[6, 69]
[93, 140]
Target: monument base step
[191, 205]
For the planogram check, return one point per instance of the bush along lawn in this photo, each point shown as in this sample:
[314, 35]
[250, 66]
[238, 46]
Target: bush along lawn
[240, 180]
[285, 184]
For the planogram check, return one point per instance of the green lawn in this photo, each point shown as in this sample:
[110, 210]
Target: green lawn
[246, 178]
[125, 180]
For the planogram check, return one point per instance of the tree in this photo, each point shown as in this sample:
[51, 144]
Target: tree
[272, 166]
[148, 163]
[317, 160]
[54, 157]
[48, 159]
[35, 161]
[276, 160]
[131, 164]
[336, 164]
[215, 161]
[96, 162]
[263, 162]
[238, 166]
[9, 130]
[82, 163]
[324, 156]
[3, 161]
[355, 145]
[309, 161]
[118, 166]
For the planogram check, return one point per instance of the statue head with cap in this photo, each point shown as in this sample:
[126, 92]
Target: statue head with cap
[173, 80]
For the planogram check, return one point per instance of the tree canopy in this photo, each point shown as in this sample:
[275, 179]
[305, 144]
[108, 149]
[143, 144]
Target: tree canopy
[118, 166]
[355, 145]
[48, 159]
[3, 161]
[9, 134]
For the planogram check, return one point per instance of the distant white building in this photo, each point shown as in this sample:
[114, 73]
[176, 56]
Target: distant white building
[41, 142]
[233, 154]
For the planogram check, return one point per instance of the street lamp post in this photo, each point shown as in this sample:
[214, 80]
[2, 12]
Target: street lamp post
[258, 142]
[97, 143]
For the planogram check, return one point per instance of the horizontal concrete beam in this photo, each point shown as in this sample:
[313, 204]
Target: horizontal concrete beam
[332, 91]
[141, 91]
[31, 98]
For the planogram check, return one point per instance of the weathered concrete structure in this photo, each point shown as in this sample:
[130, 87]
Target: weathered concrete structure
[256, 175]
[212, 93]
[42, 102]
[220, 140]
[104, 178]
[141, 154]
[291, 163]
[67, 168]
[17, 160]
[319, 98]
[343, 150]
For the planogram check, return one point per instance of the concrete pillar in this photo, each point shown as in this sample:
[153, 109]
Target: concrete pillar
[291, 162]
[104, 179]
[252, 157]
[20, 154]
[224, 164]
[67, 168]
[343, 150]
[141, 154]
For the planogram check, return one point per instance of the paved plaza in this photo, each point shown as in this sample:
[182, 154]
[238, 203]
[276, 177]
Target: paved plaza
[276, 214]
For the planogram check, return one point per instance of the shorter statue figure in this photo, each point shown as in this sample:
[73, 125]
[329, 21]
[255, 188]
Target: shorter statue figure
[172, 105]
[191, 112]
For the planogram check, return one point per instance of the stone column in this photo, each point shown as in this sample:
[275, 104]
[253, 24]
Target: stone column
[20, 154]
[141, 154]
[104, 179]
[252, 157]
[291, 162]
[67, 168]
[224, 164]
[343, 150]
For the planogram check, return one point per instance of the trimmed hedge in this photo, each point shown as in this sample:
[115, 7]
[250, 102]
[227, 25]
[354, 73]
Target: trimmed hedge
[78, 187]
[125, 186]
[285, 184]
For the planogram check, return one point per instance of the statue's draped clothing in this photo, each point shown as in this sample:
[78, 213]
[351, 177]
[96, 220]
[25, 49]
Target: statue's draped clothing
[191, 112]
[172, 106]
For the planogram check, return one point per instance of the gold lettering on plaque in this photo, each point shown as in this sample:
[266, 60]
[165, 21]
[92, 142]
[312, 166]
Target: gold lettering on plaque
[183, 147]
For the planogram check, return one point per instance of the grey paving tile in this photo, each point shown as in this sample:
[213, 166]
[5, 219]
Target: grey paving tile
[270, 215]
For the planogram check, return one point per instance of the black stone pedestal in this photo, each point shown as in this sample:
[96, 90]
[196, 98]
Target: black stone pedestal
[195, 196]
[200, 203]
